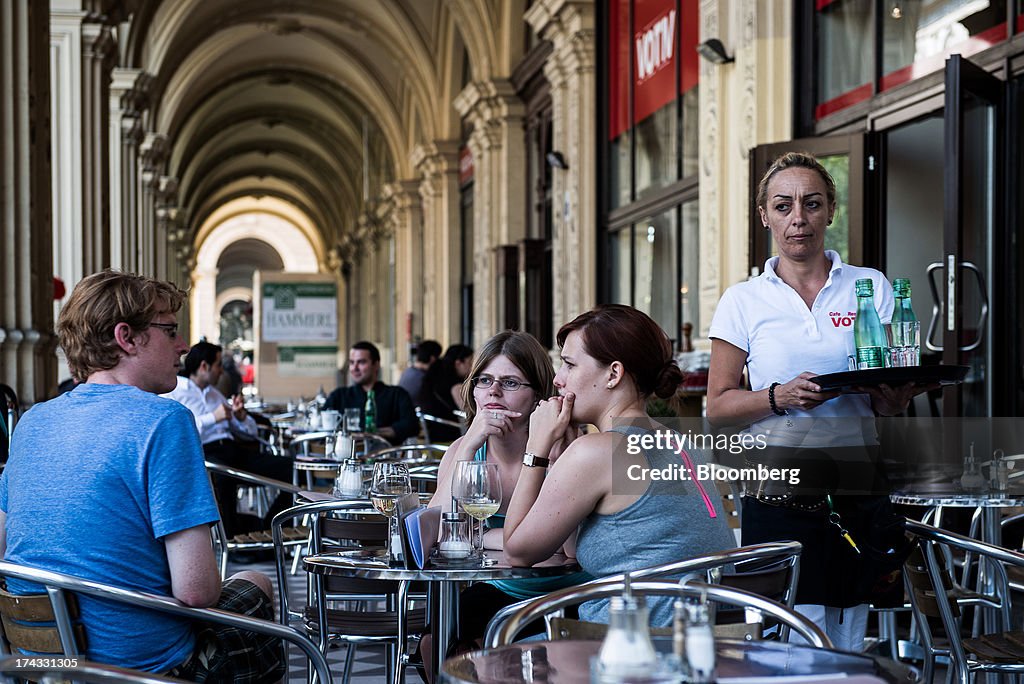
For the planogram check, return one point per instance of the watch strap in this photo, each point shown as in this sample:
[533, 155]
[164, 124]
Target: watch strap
[532, 460]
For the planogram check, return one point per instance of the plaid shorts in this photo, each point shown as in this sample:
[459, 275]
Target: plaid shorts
[229, 654]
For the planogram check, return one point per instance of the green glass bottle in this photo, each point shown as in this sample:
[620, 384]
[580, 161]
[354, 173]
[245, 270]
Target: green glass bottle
[370, 413]
[909, 348]
[868, 334]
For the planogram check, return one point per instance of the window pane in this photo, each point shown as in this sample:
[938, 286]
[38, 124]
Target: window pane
[844, 48]
[618, 171]
[690, 273]
[837, 236]
[620, 264]
[656, 246]
[656, 150]
[923, 33]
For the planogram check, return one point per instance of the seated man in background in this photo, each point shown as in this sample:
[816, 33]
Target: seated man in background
[228, 434]
[396, 418]
[413, 378]
[107, 482]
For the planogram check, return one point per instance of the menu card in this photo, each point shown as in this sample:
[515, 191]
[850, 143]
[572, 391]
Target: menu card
[419, 535]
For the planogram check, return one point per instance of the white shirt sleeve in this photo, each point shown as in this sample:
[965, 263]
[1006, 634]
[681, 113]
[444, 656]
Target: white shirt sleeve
[728, 324]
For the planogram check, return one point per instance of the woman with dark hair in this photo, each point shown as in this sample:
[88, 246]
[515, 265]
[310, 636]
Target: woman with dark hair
[613, 358]
[442, 390]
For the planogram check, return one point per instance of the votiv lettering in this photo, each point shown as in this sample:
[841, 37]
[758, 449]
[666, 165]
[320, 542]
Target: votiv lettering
[654, 46]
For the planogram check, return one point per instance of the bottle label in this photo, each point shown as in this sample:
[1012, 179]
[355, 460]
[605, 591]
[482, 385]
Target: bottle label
[870, 357]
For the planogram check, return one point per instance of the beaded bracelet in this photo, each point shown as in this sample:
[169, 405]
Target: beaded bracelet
[771, 400]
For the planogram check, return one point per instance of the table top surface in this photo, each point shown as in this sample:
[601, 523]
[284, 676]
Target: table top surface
[568, 662]
[950, 494]
[370, 564]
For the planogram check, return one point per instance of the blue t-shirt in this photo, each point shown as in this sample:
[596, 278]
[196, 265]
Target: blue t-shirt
[96, 478]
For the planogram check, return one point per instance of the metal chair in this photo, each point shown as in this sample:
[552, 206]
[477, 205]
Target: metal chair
[933, 594]
[252, 541]
[14, 669]
[408, 453]
[393, 626]
[503, 631]
[426, 419]
[769, 570]
[59, 585]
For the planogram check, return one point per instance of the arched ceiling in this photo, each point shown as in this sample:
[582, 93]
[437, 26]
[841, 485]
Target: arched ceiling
[308, 101]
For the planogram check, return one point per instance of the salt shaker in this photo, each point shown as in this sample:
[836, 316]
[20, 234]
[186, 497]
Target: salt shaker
[454, 543]
[699, 646]
[627, 650]
[349, 484]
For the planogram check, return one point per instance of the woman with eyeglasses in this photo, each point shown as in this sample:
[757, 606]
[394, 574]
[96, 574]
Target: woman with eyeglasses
[510, 375]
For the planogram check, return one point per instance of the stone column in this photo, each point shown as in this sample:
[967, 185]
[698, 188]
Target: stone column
[438, 166]
[128, 99]
[499, 186]
[27, 362]
[98, 49]
[569, 25]
[153, 152]
[165, 211]
[406, 218]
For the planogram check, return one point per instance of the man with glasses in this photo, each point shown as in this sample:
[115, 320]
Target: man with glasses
[107, 482]
[228, 434]
[396, 417]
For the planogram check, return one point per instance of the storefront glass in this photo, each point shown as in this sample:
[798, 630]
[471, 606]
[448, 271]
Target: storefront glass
[917, 36]
[654, 274]
[651, 156]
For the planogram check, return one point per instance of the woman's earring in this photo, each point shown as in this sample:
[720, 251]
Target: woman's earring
[609, 385]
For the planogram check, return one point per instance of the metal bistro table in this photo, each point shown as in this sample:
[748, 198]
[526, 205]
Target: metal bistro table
[443, 583]
[938, 495]
[568, 662]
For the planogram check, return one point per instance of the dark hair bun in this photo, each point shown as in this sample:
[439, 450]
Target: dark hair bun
[668, 380]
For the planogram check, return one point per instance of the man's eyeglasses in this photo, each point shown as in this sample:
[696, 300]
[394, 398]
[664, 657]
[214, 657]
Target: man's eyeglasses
[506, 384]
[170, 328]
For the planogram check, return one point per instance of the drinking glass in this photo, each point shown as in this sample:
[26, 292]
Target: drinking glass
[477, 487]
[904, 344]
[353, 420]
[390, 483]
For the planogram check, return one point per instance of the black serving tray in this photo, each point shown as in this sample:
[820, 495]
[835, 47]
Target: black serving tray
[919, 375]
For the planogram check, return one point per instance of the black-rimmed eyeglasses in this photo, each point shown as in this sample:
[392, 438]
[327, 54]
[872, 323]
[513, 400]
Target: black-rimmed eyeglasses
[170, 328]
[506, 384]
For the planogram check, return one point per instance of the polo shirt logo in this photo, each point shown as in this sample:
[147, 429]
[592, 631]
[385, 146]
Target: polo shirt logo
[839, 320]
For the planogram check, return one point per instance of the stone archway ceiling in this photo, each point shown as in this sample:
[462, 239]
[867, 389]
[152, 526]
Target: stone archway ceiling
[237, 263]
[262, 98]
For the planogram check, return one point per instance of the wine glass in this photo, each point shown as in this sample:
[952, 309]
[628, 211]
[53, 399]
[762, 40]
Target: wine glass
[390, 483]
[477, 487]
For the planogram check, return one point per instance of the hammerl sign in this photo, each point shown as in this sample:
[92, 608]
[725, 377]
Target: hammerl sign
[300, 311]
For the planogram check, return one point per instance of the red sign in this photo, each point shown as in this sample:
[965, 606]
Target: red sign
[663, 36]
[465, 165]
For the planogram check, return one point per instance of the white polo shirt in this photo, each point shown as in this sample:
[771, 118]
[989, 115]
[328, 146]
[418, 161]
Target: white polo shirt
[782, 338]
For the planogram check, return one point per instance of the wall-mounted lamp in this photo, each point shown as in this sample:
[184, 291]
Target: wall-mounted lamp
[713, 51]
[556, 160]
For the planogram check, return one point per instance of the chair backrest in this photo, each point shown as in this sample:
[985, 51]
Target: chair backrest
[504, 630]
[934, 593]
[30, 623]
[408, 453]
[56, 671]
[56, 583]
[323, 528]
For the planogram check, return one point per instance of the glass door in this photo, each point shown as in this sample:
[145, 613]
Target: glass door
[961, 283]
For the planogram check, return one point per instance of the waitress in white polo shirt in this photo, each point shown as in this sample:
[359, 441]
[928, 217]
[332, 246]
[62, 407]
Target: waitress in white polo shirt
[786, 326]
